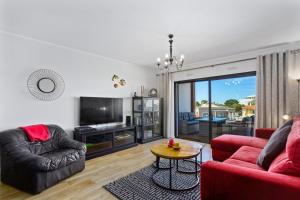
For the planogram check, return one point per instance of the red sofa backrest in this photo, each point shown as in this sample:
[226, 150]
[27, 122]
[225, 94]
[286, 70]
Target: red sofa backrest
[288, 162]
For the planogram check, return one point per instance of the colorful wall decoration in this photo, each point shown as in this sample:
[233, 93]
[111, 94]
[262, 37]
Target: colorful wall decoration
[117, 81]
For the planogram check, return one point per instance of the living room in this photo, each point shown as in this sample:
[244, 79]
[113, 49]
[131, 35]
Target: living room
[150, 99]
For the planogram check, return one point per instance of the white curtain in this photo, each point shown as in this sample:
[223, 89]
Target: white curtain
[295, 74]
[277, 89]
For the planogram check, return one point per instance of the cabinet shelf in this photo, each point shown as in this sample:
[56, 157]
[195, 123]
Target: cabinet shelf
[147, 116]
[104, 140]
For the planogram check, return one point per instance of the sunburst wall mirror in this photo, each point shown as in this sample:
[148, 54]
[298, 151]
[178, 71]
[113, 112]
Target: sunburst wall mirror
[45, 85]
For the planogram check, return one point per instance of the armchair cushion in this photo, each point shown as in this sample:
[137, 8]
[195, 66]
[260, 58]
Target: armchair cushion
[21, 156]
[66, 142]
[191, 116]
[192, 122]
[186, 116]
[61, 157]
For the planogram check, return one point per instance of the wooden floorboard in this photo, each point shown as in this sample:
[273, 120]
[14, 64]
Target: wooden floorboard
[88, 184]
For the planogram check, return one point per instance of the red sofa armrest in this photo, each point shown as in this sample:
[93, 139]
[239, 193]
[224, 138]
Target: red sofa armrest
[264, 132]
[224, 181]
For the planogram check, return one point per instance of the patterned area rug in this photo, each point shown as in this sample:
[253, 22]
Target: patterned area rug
[139, 185]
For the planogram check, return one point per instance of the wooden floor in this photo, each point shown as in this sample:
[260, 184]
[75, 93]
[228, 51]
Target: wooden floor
[98, 172]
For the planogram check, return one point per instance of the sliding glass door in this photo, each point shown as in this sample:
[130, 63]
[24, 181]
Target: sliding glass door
[193, 120]
[207, 108]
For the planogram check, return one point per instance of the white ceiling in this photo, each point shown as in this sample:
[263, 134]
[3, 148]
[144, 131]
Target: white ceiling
[136, 30]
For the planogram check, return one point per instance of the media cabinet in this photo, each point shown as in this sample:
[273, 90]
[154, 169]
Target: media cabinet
[105, 140]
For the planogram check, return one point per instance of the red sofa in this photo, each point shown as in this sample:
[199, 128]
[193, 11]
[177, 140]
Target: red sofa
[234, 174]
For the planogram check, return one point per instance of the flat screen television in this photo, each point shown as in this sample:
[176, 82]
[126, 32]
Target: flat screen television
[100, 110]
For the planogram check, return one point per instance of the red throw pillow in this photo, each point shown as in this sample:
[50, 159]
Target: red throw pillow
[37, 133]
[283, 165]
[289, 162]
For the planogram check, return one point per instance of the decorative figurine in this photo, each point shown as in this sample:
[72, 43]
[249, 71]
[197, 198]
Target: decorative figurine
[115, 77]
[122, 82]
[116, 81]
[171, 142]
[153, 92]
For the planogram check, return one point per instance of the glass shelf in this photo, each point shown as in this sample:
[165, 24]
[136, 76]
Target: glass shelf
[147, 117]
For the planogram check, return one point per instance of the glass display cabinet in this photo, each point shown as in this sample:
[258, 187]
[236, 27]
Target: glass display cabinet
[147, 117]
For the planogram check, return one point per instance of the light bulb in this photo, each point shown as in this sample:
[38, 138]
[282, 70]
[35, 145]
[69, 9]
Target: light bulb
[167, 56]
[182, 56]
[158, 60]
[166, 63]
[286, 117]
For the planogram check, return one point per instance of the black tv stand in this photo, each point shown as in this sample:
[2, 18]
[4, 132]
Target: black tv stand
[107, 139]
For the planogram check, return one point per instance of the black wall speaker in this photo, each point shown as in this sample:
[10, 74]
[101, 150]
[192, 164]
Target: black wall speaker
[128, 120]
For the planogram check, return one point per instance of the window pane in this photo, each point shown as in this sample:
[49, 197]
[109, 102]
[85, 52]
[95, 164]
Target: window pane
[193, 121]
[233, 106]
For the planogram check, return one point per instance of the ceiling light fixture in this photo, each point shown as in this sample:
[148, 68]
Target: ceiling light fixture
[170, 59]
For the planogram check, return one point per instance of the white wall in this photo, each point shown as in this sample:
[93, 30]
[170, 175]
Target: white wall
[184, 97]
[85, 74]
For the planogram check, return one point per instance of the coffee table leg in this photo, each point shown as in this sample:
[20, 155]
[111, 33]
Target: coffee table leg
[201, 156]
[196, 166]
[170, 174]
[157, 162]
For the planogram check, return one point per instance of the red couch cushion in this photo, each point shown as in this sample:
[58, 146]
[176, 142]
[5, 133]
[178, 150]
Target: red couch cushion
[264, 132]
[222, 181]
[37, 132]
[288, 162]
[231, 143]
[241, 163]
[220, 155]
[247, 154]
[293, 143]
[245, 157]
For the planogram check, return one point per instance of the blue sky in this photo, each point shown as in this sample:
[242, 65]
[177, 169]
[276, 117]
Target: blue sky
[233, 88]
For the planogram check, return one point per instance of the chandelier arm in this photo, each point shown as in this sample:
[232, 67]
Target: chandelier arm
[181, 63]
[174, 58]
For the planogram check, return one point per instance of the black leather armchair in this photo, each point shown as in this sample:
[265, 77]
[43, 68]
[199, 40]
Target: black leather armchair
[35, 166]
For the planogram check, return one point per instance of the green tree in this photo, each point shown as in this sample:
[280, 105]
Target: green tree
[204, 101]
[238, 108]
[198, 104]
[252, 102]
[231, 102]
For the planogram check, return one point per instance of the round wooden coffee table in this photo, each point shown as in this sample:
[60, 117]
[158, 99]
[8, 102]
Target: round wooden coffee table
[188, 151]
